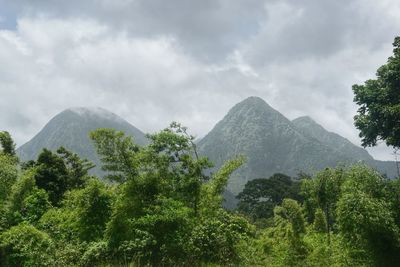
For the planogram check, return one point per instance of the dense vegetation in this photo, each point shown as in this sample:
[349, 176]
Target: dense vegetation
[158, 207]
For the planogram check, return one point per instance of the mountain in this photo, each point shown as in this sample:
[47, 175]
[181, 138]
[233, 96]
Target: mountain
[71, 128]
[343, 146]
[272, 143]
[338, 143]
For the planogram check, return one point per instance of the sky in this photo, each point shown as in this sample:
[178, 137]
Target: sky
[157, 61]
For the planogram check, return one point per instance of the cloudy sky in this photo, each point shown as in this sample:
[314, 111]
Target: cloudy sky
[156, 61]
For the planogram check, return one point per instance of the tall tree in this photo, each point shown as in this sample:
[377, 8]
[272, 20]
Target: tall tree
[7, 143]
[59, 172]
[378, 116]
[260, 196]
[164, 192]
[366, 217]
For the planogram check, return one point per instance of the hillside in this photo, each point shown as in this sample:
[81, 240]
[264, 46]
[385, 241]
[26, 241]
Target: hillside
[272, 143]
[70, 129]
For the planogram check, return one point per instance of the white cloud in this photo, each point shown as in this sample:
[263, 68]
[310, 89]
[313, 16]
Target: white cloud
[148, 81]
[153, 61]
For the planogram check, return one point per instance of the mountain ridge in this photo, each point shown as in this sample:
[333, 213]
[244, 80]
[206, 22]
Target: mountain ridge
[273, 143]
[70, 128]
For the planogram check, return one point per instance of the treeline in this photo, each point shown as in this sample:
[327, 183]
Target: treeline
[157, 207]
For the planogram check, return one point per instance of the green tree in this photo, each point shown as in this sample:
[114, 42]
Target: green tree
[320, 224]
[15, 202]
[89, 209]
[7, 143]
[211, 195]
[24, 245]
[215, 238]
[59, 172]
[323, 191]
[159, 191]
[35, 205]
[379, 100]
[51, 175]
[260, 196]
[8, 176]
[8, 167]
[77, 168]
[163, 192]
[117, 153]
[286, 240]
[365, 217]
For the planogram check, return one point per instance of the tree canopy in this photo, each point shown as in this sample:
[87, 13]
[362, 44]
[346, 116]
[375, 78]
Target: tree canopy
[378, 115]
[163, 207]
[260, 196]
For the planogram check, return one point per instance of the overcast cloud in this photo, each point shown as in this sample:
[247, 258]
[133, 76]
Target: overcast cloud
[155, 61]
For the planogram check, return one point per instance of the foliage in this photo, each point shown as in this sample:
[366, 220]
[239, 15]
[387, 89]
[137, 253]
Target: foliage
[365, 217]
[7, 144]
[35, 205]
[214, 239]
[320, 224]
[323, 192]
[117, 154]
[14, 205]
[212, 192]
[163, 190]
[59, 172]
[8, 168]
[260, 196]
[379, 100]
[8, 176]
[89, 210]
[164, 208]
[24, 245]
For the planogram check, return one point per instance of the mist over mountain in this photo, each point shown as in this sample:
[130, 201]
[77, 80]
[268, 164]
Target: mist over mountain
[273, 144]
[71, 128]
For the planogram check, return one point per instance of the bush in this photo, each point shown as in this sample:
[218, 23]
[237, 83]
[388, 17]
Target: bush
[24, 245]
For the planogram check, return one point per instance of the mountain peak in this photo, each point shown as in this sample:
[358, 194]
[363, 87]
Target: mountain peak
[254, 101]
[304, 119]
[254, 107]
[339, 144]
[97, 112]
[71, 129]
[81, 110]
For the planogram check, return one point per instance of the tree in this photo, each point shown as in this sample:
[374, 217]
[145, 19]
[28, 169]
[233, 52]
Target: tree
[24, 245]
[89, 209]
[159, 189]
[51, 175]
[366, 217]
[7, 143]
[320, 224]
[118, 154]
[260, 196]
[378, 116]
[323, 191]
[77, 168]
[8, 166]
[21, 189]
[59, 172]
[8, 175]
[164, 191]
[291, 226]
